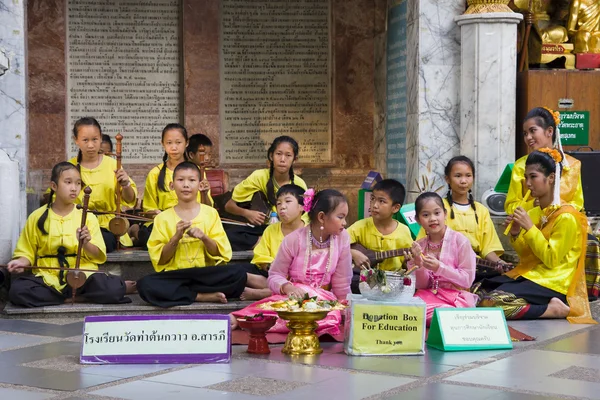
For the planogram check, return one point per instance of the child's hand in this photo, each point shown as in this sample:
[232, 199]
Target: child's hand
[182, 226]
[84, 235]
[255, 217]
[416, 251]
[359, 259]
[431, 263]
[16, 266]
[122, 177]
[196, 233]
[204, 186]
[407, 255]
[521, 218]
[292, 290]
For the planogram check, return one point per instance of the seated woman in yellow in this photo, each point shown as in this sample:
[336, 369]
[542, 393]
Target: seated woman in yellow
[188, 248]
[158, 196]
[549, 282]
[99, 172]
[540, 131]
[466, 215]
[282, 154]
[50, 239]
[290, 202]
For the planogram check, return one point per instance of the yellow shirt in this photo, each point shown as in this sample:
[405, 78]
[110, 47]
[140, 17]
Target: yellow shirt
[62, 231]
[366, 234]
[191, 252]
[156, 199]
[103, 182]
[571, 190]
[482, 235]
[559, 254]
[268, 245]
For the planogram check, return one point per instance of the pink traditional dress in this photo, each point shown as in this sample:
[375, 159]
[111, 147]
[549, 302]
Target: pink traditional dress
[325, 273]
[449, 286]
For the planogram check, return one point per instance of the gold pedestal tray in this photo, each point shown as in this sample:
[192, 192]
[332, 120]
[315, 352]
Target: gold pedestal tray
[302, 339]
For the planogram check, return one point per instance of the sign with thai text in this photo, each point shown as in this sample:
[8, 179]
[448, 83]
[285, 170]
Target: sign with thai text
[574, 128]
[382, 328]
[149, 339]
[455, 329]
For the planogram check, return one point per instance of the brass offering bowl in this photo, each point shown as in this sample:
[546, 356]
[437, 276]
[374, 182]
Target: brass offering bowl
[302, 339]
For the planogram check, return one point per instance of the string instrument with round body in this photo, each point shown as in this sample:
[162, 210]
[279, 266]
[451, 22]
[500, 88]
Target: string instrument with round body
[118, 225]
[202, 161]
[75, 278]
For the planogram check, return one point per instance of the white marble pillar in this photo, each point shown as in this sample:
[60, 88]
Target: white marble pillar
[13, 113]
[488, 93]
[433, 90]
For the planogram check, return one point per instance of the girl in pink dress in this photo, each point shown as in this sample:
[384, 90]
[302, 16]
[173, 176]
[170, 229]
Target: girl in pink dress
[315, 259]
[445, 258]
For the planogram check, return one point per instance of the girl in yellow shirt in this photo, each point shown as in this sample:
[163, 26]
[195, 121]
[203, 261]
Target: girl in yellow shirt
[540, 131]
[281, 155]
[100, 173]
[549, 281]
[50, 239]
[188, 249]
[158, 192]
[290, 203]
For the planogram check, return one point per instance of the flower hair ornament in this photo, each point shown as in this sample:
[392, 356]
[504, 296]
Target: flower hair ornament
[309, 196]
[558, 157]
[558, 143]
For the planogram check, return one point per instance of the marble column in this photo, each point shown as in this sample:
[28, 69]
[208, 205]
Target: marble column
[433, 91]
[13, 112]
[488, 93]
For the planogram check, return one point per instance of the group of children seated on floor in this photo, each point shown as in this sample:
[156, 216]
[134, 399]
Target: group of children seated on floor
[309, 249]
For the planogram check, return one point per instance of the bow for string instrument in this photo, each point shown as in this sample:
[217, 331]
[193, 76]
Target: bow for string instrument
[118, 225]
[202, 161]
[76, 278]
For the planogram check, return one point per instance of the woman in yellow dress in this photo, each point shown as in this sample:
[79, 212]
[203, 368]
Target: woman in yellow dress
[549, 281]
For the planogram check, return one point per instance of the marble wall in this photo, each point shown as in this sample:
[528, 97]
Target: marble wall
[433, 79]
[355, 26]
[13, 103]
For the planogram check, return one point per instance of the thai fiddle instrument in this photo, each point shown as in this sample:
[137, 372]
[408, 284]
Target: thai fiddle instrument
[76, 278]
[375, 257]
[118, 225]
[202, 162]
[521, 204]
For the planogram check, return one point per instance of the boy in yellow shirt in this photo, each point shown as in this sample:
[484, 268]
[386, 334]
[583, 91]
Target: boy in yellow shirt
[381, 232]
[188, 248]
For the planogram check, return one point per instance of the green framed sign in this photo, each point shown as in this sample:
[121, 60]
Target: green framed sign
[574, 128]
[461, 329]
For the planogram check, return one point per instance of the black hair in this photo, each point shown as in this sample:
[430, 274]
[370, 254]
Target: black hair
[107, 139]
[163, 171]
[85, 121]
[392, 188]
[271, 196]
[197, 140]
[57, 170]
[543, 118]
[544, 161]
[325, 201]
[423, 197]
[294, 190]
[447, 171]
[186, 165]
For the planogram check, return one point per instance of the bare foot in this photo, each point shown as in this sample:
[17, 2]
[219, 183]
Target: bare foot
[130, 287]
[556, 309]
[233, 322]
[216, 297]
[256, 281]
[254, 294]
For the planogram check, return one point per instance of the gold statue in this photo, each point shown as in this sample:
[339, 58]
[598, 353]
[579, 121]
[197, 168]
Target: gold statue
[584, 25]
[549, 30]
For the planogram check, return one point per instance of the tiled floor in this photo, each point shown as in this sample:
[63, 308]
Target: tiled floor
[39, 360]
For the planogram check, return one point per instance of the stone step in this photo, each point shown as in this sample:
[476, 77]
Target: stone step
[136, 307]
